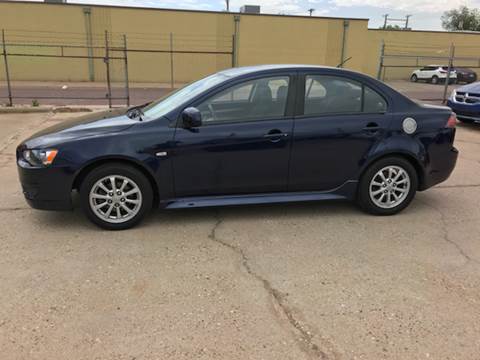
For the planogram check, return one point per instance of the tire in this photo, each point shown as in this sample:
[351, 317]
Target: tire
[370, 202]
[132, 192]
[434, 79]
[413, 78]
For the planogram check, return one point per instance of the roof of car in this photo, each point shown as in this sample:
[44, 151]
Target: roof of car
[257, 68]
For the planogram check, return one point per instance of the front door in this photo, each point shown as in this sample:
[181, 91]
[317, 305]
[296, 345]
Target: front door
[243, 144]
[340, 121]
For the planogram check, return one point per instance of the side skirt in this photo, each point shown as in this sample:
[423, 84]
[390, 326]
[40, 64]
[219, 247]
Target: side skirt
[346, 191]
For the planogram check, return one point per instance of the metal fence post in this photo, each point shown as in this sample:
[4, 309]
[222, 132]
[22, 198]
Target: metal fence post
[380, 60]
[125, 55]
[450, 65]
[7, 73]
[172, 84]
[233, 50]
[107, 63]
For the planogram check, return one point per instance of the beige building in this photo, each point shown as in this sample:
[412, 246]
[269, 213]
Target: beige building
[202, 43]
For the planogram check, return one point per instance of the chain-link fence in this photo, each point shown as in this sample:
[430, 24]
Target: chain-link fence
[100, 66]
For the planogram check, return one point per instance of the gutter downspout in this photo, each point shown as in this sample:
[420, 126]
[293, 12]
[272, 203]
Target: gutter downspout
[346, 24]
[88, 31]
[236, 36]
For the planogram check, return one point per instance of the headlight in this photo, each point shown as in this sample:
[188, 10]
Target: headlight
[40, 157]
[454, 93]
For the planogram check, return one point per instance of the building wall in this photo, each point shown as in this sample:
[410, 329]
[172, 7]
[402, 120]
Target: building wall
[261, 39]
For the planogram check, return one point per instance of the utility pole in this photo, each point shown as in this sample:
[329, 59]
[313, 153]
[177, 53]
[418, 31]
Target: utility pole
[227, 2]
[385, 22]
[406, 21]
[311, 11]
[402, 20]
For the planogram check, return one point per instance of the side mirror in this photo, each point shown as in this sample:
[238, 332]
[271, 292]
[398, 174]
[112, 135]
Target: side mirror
[191, 118]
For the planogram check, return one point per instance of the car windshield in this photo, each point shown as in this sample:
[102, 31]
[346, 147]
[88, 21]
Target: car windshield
[164, 105]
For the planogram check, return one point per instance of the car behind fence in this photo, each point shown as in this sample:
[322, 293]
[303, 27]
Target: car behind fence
[399, 59]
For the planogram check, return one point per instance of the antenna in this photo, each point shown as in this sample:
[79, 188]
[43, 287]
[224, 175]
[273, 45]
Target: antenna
[311, 11]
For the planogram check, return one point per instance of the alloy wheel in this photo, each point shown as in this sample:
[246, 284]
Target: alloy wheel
[389, 187]
[115, 199]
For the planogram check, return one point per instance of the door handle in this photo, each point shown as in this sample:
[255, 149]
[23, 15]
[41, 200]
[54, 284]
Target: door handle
[275, 135]
[371, 127]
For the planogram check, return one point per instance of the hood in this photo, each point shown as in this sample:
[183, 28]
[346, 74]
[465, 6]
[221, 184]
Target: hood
[473, 87]
[98, 123]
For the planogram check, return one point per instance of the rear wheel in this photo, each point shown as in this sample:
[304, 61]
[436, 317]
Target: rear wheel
[414, 78]
[116, 196]
[434, 79]
[388, 186]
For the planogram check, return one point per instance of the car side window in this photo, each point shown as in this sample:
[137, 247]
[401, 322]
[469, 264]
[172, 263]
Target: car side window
[373, 102]
[326, 94]
[257, 99]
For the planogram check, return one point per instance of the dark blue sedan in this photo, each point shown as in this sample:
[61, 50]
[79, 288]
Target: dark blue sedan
[465, 102]
[252, 135]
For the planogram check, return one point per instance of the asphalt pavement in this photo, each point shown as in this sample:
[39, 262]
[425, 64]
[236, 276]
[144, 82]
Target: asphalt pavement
[297, 281]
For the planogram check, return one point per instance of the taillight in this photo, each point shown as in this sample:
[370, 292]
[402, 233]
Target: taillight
[452, 121]
[443, 71]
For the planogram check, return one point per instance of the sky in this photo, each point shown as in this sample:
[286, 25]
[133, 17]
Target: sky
[425, 13]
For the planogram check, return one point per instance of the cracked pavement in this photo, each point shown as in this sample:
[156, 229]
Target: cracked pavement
[296, 281]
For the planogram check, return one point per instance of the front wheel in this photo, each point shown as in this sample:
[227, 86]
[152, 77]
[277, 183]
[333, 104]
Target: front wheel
[388, 186]
[414, 78]
[116, 196]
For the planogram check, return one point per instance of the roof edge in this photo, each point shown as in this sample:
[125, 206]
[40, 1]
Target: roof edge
[180, 10]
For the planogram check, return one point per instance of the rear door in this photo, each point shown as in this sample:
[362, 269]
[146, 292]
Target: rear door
[339, 121]
[428, 72]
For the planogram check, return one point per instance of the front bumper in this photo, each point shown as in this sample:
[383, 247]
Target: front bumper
[45, 188]
[469, 112]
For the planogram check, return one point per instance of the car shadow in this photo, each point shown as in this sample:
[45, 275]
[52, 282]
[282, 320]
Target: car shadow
[467, 125]
[75, 220]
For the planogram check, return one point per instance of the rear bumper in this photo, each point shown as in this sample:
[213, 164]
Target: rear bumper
[466, 78]
[441, 169]
[453, 76]
[45, 188]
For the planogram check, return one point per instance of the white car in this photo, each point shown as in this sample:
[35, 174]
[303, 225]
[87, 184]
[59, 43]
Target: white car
[433, 73]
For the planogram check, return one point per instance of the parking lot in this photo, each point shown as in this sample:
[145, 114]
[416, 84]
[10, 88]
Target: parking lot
[296, 281]
[85, 93]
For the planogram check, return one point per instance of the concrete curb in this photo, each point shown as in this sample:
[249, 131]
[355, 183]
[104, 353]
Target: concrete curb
[43, 109]
[24, 110]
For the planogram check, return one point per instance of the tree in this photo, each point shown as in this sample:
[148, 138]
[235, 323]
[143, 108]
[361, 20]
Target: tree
[462, 18]
[391, 27]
